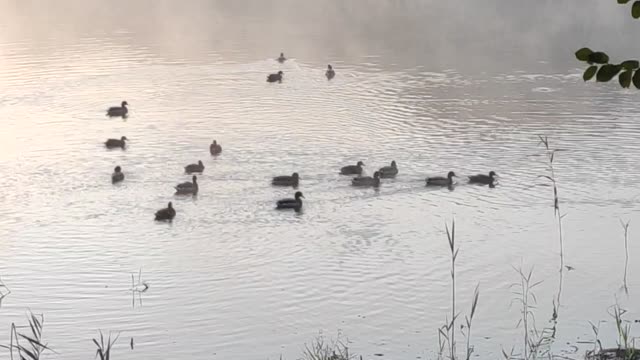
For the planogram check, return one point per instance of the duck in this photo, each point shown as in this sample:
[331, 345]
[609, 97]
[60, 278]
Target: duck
[275, 77]
[187, 188]
[117, 175]
[215, 148]
[440, 180]
[483, 179]
[167, 213]
[389, 171]
[194, 168]
[295, 203]
[121, 110]
[352, 169]
[282, 59]
[286, 180]
[115, 143]
[330, 73]
[367, 181]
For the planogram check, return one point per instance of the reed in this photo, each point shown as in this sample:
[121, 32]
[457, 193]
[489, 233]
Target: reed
[550, 153]
[320, 349]
[4, 291]
[103, 350]
[27, 345]
[625, 227]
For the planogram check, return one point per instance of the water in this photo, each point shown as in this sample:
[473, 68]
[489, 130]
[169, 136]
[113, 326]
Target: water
[423, 83]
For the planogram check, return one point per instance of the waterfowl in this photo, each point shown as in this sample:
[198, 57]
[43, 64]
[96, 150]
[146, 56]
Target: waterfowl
[115, 143]
[117, 175]
[483, 179]
[295, 203]
[282, 59]
[215, 148]
[187, 187]
[286, 180]
[352, 169]
[275, 77]
[118, 110]
[167, 213]
[330, 73]
[440, 180]
[194, 168]
[389, 171]
[367, 181]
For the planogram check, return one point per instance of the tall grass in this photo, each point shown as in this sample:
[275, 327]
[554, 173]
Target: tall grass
[625, 227]
[320, 349]
[625, 349]
[551, 153]
[4, 291]
[27, 345]
[103, 350]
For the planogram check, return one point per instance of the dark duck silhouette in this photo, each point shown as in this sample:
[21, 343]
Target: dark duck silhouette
[441, 180]
[295, 203]
[352, 169]
[390, 171]
[286, 180]
[483, 179]
[275, 77]
[282, 59]
[194, 168]
[116, 143]
[167, 213]
[188, 188]
[117, 175]
[367, 181]
[121, 110]
[330, 73]
[215, 148]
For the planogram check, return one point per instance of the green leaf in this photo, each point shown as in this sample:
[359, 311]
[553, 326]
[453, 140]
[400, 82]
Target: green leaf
[589, 73]
[635, 10]
[630, 64]
[623, 1]
[599, 57]
[636, 79]
[607, 72]
[625, 79]
[583, 54]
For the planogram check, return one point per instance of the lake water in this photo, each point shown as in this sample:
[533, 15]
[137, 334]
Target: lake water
[435, 86]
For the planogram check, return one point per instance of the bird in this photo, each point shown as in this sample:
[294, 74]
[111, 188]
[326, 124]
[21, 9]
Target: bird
[441, 180]
[275, 77]
[282, 59]
[117, 175]
[167, 213]
[187, 188]
[295, 203]
[352, 169]
[483, 179]
[121, 110]
[115, 143]
[286, 180]
[215, 148]
[330, 73]
[389, 171]
[194, 168]
[367, 181]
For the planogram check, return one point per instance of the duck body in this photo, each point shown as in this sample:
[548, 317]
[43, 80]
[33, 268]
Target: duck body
[215, 148]
[367, 181]
[167, 213]
[116, 111]
[330, 73]
[391, 171]
[188, 188]
[483, 179]
[286, 180]
[116, 143]
[194, 168]
[117, 175]
[441, 180]
[275, 77]
[295, 203]
[352, 169]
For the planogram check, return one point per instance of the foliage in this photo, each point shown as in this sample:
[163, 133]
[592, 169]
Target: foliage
[34, 346]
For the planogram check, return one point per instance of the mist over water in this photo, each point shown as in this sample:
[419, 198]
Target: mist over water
[434, 85]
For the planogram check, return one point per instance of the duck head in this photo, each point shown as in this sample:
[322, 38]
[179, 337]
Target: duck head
[194, 179]
[117, 169]
[280, 73]
[282, 55]
[295, 176]
[360, 163]
[170, 205]
[451, 174]
[215, 142]
[329, 67]
[123, 138]
[124, 104]
[299, 195]
[376, 175]
[200, 163]
[393, 164]
[492, 174]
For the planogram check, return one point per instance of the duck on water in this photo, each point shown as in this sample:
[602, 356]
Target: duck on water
[194, 168]
[117, 175]
[352, 169]
[215, 148]
[277, 77]
[367, 181]
[116, 143]
[116, 111]
[188, 188]
[390, 171]
[330, 73]
[282, 59]
[441, 180]
[483, 179]
[286, 180]
[295, 203]
[167, 213]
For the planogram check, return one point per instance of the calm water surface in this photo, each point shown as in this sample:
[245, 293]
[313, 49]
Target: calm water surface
[435, 87]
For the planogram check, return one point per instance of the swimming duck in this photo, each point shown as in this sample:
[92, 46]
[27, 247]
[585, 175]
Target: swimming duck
[483, 179]
[187, 187]
[389, 171]
[352, 169]
[275, 77]
[194, 168]
[295, 204]
[282, 59]
[215, 148]
[367, 181]
[286, 180]
[167, 213]
[118, 110]
[115, 143]
[440, 180]
[117, 175]
[330, 73]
